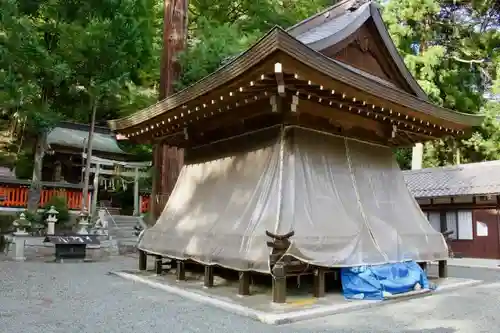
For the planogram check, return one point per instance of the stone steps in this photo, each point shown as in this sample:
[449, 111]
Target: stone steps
[122, 231]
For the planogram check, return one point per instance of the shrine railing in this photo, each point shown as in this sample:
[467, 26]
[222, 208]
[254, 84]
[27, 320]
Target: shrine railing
[14, 193]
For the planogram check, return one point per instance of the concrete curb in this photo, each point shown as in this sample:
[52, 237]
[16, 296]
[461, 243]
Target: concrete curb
[494, 268]
[292, 316]
[476, 266]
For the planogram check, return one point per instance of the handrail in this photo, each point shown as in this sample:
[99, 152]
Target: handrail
[142, 223]
[108, 214]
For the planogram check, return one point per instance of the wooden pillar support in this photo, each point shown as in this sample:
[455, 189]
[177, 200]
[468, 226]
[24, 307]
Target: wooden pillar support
[279, 283]
[143, 260]
[158, 264]
[319, 282]
[244, 285]
[208, 280]
[278, 262]
[181, 271]
[442, 268]
[423, 265]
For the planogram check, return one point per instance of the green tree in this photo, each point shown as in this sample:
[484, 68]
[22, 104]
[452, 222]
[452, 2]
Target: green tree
[61, 60]
[452, 50]
[218, 31]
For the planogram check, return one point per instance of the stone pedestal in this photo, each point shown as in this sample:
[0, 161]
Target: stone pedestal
[51, 220]
[51, 227]
[19, 243]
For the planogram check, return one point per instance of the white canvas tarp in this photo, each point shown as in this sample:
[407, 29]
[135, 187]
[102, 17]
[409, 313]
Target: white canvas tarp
[346, 201]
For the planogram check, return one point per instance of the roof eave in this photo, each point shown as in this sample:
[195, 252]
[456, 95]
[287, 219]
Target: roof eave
[278, 40]
[263, 48]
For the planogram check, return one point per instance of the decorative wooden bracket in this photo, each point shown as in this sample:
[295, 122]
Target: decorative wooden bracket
[280, 79]
[278, 263]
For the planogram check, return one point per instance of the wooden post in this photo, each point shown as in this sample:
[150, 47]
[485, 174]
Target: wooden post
[319, 282]
[442, 268]
[279, 246]
[279, 283]
[244, 285]
[96, 189]
[158, 264]
[137, 209]
[181, 271]
[209, 277]
[143, 260]
[423, 265]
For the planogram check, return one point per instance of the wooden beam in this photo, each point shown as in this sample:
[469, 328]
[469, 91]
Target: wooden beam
[244, 284]
[315, 92]
[308, 73]
[318, 123]
[204, 116]
[280, 81]
[208, 280]
[143, 260]
[251, 124]
[130, 174]
[177, 106]
[343, 118]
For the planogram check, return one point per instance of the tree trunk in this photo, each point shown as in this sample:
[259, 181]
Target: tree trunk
[36, 186]
[86, 177]
[167, 159]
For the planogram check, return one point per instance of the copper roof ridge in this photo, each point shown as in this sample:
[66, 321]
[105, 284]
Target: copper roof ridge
[327, 11]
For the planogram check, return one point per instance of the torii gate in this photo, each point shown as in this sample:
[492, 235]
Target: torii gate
[96, 164]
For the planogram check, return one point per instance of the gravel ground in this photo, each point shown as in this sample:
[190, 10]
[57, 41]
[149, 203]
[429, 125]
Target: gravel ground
[82, 298]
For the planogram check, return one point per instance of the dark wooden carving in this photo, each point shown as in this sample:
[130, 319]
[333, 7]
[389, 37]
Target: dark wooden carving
[364, 50]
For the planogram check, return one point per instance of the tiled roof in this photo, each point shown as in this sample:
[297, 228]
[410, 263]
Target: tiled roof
[76, 138]
[466, 179]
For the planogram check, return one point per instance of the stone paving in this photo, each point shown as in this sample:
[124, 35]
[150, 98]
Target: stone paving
[82, 297]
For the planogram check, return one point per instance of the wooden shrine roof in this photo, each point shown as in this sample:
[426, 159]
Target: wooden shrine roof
[304, 71]
[340, 21]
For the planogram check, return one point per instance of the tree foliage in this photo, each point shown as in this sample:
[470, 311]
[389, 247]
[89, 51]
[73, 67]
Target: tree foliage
[60, 58]
[452, 49]
[218, 31]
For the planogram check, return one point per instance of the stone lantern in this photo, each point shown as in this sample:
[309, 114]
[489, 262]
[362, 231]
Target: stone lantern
[83, 223]
[21, 224]
[51, 220]
[20, 236]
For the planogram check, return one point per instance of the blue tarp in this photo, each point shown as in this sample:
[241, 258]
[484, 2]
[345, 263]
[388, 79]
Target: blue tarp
[374, 282]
